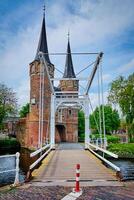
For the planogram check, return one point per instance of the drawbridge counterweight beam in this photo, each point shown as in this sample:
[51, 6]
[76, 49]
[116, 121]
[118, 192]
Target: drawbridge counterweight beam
[91, 77]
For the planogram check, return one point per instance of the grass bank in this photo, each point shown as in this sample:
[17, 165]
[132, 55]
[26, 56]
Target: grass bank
[123, 150]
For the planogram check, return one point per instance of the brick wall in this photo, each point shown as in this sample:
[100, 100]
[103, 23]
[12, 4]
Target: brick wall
[28, 128]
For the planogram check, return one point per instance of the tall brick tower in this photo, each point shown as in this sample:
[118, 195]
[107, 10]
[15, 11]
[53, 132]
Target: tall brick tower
[35, 129]
[36, 83]
[67, 131]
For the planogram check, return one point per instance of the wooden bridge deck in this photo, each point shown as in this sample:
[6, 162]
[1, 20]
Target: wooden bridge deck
[61, 167]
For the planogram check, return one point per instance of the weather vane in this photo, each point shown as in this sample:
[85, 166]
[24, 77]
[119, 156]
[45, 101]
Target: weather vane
[44, 8]
[68, 34]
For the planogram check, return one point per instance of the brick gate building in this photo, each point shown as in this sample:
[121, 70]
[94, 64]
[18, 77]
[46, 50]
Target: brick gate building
[66, 123]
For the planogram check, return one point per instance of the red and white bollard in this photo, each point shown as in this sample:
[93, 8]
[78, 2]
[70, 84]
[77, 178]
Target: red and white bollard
[77, 190]
[77, 185]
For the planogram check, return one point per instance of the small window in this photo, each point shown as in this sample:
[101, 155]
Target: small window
[70, 84]
[33, 101]
[33, 69]
[75, 83]
[60, 115]
[70, 112]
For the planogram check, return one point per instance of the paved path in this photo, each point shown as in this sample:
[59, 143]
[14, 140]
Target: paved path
[57, 193]
[60, 170]
[91, 168]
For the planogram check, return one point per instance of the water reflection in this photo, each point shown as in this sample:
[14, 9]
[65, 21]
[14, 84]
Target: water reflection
[126, 166]
[8, 163]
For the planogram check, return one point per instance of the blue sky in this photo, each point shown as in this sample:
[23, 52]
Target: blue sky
[95, 25]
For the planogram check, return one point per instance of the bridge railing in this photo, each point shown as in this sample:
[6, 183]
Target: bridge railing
[16, 168]
[48, 147]
[91, 147]
[100, 142]
[96, 147]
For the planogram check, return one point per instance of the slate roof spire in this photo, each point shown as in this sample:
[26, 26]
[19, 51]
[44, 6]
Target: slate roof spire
[69, 70]
[42, 45]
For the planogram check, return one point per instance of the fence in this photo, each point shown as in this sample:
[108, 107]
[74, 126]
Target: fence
[11, 168]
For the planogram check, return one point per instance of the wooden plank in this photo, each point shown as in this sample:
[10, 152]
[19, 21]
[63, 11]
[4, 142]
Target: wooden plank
[63, 163]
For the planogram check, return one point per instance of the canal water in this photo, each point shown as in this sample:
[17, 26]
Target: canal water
[126, 166]
[9, 163]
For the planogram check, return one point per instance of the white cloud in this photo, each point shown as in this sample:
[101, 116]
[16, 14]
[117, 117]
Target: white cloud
[94, 99]
[93, 21]
[127, 67]
[23, 92]
[18, 54]
[90, 23]
[107, 78]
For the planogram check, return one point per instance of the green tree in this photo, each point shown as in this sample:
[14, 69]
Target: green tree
[8, 103]
[112, 120]
[81, 125]
[122, 93]
[24, 110]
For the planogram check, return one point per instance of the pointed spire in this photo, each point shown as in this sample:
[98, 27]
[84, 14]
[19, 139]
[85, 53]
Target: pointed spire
[68, 35]
[69, 70]
[42, 45]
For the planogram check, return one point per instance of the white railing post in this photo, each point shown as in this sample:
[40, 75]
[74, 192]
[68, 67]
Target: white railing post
[47, 142]
[97, 144]
[87, 130]
[16, 181]
[52, 122]
[105, 143]
[101, 142]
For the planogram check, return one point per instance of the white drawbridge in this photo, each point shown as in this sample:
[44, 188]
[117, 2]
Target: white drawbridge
[65, 99]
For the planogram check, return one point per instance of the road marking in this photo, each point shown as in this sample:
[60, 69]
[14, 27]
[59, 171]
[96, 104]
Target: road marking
[72, 196]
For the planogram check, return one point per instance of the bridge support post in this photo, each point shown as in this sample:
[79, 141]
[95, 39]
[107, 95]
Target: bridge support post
[16, 181]
[87, 130]
[52, 122]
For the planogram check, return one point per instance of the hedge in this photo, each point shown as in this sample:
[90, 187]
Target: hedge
[9, 143]
[110, 138]
[123, 150]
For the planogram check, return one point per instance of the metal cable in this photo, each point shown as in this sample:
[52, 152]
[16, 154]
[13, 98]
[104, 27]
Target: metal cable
[93, 114]
[102, 96]
[40, 98]
[42, 107]
[85, 68]
[77, 53]
[48, 121]
[82, 87]
[59, 70]
[100, 128]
